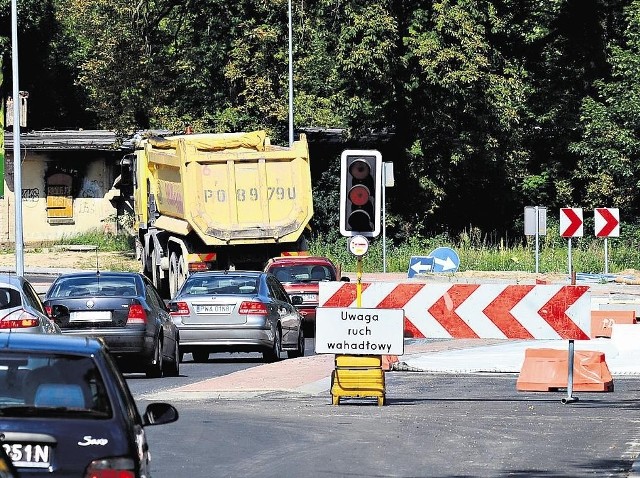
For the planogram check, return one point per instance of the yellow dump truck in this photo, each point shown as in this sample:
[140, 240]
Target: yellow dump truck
[217, 201]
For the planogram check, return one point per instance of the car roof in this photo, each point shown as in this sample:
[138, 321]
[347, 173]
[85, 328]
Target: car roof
[50, 343]
[12, 279]
[100, 273]
[227, 273]
[300, 259]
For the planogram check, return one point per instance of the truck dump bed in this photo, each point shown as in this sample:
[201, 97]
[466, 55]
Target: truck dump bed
[233, 188]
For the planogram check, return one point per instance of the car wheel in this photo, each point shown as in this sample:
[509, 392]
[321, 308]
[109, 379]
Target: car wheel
[301, 346]
[154, 368]
[172, 368]
[200, 356]
[273, 354]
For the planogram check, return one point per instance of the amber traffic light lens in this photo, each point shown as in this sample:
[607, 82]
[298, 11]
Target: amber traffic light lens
[359, 169]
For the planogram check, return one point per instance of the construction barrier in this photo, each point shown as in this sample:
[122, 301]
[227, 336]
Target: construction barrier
[545, 370]
[358, 376]
[602, 321]
[460, 311]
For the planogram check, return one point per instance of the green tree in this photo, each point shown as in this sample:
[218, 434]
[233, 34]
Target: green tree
[608, 168]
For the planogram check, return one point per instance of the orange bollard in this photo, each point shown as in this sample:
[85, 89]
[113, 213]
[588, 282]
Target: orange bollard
[546, 370]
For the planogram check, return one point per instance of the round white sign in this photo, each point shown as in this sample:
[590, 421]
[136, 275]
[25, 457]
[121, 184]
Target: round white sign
[358, 245]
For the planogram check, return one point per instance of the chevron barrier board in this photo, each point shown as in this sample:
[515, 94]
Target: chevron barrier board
[474, 310]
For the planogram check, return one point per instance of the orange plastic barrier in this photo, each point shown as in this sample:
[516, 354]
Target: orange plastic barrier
[545, 370]
[388, 361]
[603, 320]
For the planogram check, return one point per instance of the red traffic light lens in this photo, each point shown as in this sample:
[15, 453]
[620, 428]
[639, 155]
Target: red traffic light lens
[359, 195]
[359, 169]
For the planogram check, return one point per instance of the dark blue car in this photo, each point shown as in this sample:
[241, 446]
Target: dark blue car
[66, 410]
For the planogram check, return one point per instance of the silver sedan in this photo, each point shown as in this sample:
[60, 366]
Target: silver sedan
[237, 311]
[21, 309]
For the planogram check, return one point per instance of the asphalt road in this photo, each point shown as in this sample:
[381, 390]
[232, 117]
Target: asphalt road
[439, 426]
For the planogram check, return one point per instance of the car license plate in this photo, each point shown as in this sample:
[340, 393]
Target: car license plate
[27, 455]
[214, 309]
[311, 297]
[90, 316]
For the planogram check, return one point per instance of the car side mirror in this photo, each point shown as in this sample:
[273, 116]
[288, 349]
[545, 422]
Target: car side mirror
[296, 299]
[345, 279]
[159, 413]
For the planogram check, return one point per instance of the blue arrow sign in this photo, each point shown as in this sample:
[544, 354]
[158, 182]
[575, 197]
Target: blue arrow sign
[445, 260]
[419, 265]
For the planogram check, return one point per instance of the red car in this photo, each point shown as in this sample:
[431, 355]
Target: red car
[301, 275]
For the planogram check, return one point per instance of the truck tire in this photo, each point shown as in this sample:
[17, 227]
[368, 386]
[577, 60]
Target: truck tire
[155, 271]
[183, 271]
[173, 275]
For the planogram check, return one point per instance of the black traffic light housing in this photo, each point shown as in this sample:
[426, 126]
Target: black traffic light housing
[360, 192]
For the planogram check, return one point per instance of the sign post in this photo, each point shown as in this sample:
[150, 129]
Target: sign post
[607, 224]
[571, 225]
[387, 178]
[535, 224]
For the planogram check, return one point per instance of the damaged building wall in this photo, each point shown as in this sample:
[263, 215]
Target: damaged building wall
[64, 193]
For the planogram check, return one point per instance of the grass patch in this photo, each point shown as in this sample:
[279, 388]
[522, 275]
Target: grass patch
[478, 254]
[105, 242]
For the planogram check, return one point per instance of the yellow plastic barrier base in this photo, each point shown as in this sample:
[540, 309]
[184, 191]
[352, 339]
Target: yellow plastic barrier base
[358, 376]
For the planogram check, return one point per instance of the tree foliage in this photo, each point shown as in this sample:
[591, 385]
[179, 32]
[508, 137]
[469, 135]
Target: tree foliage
[484, 106]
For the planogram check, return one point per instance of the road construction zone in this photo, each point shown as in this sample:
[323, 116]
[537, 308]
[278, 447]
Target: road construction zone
[359, 331]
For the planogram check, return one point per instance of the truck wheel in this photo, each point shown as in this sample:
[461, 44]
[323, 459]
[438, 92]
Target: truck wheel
[173, 275]
[183, 271]
[155, 271]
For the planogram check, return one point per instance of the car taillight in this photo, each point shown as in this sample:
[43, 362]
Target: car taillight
[179, 308]
[19, 319]
[111, 468]
[250, 307]
[137, 314]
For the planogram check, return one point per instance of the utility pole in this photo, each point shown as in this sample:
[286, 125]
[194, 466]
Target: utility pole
[17, 163]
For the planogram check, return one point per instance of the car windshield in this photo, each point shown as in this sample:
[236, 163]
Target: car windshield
[222, 284]
[93, 286]
[50, 384]
[303, 273]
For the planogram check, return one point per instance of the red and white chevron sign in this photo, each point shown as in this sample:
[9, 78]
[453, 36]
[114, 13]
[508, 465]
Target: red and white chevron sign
[571, 224]
[475, 311]
[607, 221]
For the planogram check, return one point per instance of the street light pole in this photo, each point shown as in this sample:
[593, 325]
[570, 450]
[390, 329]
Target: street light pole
[17, 163]
[290, 79]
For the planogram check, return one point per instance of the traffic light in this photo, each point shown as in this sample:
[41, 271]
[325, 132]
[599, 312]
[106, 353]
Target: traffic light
[360, 192]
